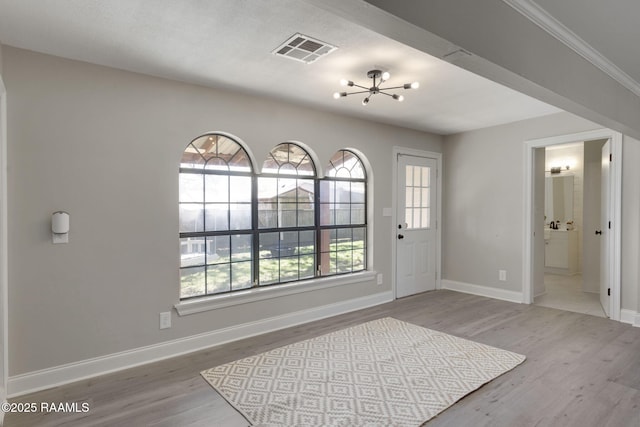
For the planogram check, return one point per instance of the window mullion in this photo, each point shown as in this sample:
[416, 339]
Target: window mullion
[254, 228]
[316, 219]
[204, 229]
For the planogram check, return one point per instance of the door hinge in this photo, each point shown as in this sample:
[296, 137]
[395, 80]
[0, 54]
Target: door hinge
[611, 157]
[609, 291]
[609, 225]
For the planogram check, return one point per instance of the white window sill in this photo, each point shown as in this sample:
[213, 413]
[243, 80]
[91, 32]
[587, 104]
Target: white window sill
[268, 292]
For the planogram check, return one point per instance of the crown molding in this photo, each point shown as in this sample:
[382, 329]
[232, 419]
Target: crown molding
[555, 28]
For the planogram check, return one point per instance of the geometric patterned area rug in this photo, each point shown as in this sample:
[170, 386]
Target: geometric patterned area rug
[385, 372]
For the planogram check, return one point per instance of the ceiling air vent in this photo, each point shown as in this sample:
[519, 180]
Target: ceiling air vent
[303, 48]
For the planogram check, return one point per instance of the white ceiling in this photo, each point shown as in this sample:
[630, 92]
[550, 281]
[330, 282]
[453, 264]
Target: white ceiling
[228, 44]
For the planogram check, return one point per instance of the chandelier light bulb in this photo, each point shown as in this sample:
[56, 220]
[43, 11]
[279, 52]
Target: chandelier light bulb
[386, 76]
[415, 85]
[398, 98]
[365, 101]
[336, 95]
[344, 82]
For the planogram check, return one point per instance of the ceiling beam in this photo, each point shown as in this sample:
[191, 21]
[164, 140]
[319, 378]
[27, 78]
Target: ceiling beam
[505, 47]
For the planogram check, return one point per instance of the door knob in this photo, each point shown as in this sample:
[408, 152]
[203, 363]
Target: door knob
[598, 231]
[400, 236]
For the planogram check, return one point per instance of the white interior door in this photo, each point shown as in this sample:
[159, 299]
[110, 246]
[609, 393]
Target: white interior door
[605, 231]
[416, 239]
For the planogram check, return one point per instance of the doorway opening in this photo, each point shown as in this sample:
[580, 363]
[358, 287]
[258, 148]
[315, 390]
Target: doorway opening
[572, 222]
[572, 210]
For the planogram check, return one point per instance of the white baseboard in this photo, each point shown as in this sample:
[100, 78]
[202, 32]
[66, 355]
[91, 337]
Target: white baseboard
[51, 377]
[483, 291]
[631, 317]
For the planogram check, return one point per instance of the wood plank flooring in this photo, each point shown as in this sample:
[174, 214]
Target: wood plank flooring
[580, 370]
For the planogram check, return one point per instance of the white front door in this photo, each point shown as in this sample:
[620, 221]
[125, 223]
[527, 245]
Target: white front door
[416, 215]
[605, 231]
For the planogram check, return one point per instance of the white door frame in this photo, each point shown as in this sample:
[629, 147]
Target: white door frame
[616, 208]
[4, 238]
[394, 204]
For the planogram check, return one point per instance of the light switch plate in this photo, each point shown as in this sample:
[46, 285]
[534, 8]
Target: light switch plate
[165, 320]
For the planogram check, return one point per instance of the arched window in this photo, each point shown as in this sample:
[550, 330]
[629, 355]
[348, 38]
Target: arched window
[343, 215]
[216, 240]
[240, 230]
[286, 215]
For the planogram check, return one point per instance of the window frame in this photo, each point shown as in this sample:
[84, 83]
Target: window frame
[258, 290]
[335, 226]
[230, 232]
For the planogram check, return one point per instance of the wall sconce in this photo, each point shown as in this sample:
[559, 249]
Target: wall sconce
[60, 227]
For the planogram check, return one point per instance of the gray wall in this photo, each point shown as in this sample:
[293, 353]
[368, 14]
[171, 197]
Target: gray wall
[483, 203]
[630, 276]
[105, 146]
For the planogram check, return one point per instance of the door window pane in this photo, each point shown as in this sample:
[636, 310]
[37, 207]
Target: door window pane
[417, 197]
[409, 176]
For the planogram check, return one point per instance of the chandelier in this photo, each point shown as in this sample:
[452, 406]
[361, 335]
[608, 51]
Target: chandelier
[379, 78]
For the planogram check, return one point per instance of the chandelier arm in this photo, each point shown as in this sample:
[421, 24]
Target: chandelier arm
[394, 87]
[388, 94]
[361, 87]
[360, 91]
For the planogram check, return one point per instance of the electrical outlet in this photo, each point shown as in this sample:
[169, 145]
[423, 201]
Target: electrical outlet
[502, 275]
[165, 320]
[379, 278]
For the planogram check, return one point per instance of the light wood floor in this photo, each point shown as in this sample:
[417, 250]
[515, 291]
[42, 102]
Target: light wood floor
[580, 370]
